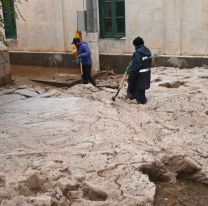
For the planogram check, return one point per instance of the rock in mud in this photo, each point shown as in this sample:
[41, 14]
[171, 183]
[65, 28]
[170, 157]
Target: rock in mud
[93, 193]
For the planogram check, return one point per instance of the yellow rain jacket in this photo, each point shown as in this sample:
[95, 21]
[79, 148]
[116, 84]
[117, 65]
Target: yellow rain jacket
[78, 34]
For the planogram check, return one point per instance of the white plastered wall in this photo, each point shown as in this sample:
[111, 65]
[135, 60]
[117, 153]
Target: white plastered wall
[48, 27]
[172, 27]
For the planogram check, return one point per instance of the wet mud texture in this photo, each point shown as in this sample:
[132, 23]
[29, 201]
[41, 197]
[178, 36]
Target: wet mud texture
[181, 193]
[76, 147]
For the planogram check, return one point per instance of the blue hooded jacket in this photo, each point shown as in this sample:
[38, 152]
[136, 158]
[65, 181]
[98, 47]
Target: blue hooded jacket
[85, 53]
[137, 62]
[141, 60]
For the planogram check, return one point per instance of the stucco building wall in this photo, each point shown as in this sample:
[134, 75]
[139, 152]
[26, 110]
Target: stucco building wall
[173, 27]
[169, 27]
[49, 25]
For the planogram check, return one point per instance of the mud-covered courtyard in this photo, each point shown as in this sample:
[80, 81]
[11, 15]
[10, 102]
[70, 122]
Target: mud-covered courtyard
[75, 146]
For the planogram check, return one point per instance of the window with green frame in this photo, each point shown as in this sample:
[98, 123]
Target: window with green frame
[9, 19]
[112, 18]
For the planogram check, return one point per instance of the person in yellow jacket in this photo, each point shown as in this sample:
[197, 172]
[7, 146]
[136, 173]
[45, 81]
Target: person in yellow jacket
[78, 35]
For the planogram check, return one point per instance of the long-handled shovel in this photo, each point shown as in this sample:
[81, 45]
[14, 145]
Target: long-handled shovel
[81, 69]
[114, 97]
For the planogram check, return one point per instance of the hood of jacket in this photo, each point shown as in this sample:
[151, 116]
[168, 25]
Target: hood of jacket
[82, 43]
[143, 50]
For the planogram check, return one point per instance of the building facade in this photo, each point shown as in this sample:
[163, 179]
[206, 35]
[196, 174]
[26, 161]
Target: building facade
[169, 27]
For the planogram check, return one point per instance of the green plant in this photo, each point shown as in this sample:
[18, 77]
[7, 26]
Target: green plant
[16, 14]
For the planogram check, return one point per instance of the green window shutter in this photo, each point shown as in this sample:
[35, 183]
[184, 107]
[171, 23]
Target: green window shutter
[120, 17]
[112, 18]
[9, 19]
[106, 16]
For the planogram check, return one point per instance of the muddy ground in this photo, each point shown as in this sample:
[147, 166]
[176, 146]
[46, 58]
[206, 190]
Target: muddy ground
[74, 146]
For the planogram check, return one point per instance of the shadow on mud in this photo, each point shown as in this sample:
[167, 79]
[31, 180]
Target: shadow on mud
[175, 84]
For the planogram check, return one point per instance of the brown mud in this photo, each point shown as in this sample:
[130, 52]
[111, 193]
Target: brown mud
[181, 193]
[75, 147]
[22, 74]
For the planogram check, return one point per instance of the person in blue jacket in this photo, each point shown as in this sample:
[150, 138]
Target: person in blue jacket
[139, 72]
[84, 56]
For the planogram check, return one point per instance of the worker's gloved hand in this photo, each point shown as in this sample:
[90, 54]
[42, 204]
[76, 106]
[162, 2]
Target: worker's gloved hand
[79, 57]
[129, 70]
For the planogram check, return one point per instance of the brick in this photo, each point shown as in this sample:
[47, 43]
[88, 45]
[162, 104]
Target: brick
[7, 68]
[1, 81]
[4, 57]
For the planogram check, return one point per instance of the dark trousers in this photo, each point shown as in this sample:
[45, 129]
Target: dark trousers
[140, 97]
[87, 78]
[133, 90]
